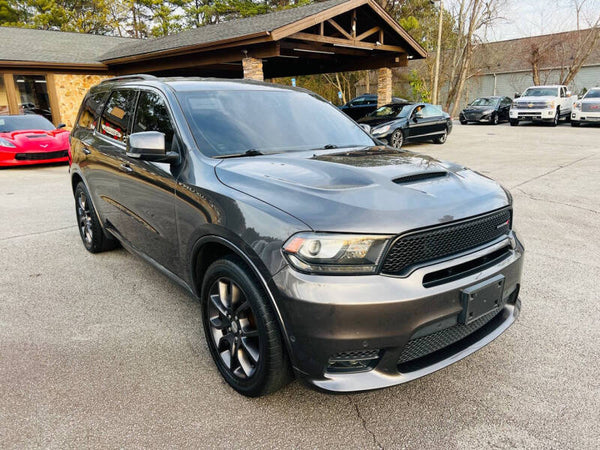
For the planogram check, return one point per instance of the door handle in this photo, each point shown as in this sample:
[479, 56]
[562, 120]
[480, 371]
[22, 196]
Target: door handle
[86, 149]
[125, 168]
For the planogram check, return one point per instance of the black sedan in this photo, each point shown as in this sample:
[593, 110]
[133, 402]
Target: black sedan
[397, 123]
[361, 106]
[492, 110]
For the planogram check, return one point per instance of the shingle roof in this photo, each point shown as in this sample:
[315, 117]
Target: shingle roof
[23, 44]
[226, 30]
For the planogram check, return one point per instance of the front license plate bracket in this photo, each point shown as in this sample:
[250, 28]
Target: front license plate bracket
[481, 298]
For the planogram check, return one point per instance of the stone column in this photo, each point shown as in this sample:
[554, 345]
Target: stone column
[253, 68]
[384, 86]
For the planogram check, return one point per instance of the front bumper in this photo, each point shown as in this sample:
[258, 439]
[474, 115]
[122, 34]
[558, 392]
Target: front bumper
[15, 157]
[326, 316]
[533, 114]
[474, 117]
[585, 117]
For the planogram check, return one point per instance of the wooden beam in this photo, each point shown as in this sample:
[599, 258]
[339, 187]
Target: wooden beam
[339, 28]
[202, 59]
[322, 28]
[11, 93]
[287, 48]
[354, 23]
[381, 33]
[53, 99]
[368, 33]
[350, 42]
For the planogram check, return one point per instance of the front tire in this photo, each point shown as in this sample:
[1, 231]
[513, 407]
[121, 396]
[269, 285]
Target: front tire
[397, 139]
[495, 119]
[441, 139]
[575, 123]
[92, 235]
[554, 122]
[241, 330]
[514, 122]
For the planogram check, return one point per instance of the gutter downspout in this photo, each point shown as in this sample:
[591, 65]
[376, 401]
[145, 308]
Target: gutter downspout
[495, 83]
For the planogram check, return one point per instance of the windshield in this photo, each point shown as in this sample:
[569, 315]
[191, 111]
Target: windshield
[541, 92]
[233, 122]
[391, 110]
[32, 122]
[484, 101]
[594, 93]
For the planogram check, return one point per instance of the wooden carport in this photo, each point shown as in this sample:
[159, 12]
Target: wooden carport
[324, 37]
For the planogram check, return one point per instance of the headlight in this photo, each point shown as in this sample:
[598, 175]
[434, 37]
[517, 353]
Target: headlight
[5, 143]
[550, 104]
[335, 253]
[577, 105]
[381, 130]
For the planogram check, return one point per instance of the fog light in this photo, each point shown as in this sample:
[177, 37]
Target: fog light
[354, 361]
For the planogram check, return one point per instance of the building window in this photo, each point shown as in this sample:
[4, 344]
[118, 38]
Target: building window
[32, 93]
[4, 109]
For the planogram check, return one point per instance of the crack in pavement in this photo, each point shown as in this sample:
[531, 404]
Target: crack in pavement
[553, 170]
[530, 196]
[36, 233]
[364, 423]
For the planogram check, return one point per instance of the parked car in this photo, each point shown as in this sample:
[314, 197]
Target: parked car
[31, 139]
[587, 110]
[364, 104]
[492, 110]
[543, 104]
[398, 123]
[313, 249]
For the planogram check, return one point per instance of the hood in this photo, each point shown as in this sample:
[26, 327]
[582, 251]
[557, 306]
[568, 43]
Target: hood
[38, 140]
[373, 190]
[479, 108]
[376, 121]
[546, 98]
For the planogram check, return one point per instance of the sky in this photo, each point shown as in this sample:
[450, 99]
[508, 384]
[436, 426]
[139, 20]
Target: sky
[523, 18]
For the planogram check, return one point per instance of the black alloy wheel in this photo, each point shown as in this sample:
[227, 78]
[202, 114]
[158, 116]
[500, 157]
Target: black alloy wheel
[241, 329]
[92, 235]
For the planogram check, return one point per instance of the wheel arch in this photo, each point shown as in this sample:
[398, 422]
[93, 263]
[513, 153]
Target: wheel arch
[210, 248]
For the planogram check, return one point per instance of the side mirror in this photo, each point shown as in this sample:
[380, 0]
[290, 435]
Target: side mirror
[418, 116]
[517, 95]
[365, 127]
[61, 125]
[150, 146]
[569, 93]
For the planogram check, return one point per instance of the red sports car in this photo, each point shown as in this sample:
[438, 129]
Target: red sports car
[31, 139]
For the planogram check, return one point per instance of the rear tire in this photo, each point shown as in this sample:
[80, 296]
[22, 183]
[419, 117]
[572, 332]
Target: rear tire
[92, 235]
[242, 331]
[441, 139]
[514, 122]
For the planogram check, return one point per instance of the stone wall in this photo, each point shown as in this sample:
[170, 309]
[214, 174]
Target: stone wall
[70, 90]
[384, 86]
[253, 68]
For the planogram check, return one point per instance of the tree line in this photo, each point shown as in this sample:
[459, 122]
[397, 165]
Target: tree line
[465, 26]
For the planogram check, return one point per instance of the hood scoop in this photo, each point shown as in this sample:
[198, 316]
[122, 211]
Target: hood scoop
[36, 136]
[417, 177]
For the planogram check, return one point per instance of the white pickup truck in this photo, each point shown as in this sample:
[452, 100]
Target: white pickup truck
[543, 104]
[587, 110]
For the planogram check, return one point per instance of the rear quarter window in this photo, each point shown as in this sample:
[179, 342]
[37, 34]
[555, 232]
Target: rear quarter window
[116, 118]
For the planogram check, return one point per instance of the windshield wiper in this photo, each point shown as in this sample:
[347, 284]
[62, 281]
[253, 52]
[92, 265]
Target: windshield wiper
[250, 152]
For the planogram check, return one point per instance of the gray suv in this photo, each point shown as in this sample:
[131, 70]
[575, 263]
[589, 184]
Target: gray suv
[315, 251]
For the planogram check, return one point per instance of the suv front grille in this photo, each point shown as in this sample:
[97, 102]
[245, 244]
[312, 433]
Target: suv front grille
[36, 156]
[421, 247]
[590, 107]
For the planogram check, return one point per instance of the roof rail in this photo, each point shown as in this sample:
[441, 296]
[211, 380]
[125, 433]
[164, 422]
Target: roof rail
[129, 77]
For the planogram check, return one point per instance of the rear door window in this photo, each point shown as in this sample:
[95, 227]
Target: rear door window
[90, 110]
[116, 118]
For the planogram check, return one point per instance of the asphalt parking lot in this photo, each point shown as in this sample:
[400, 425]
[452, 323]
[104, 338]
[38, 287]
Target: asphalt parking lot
[104, 351]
